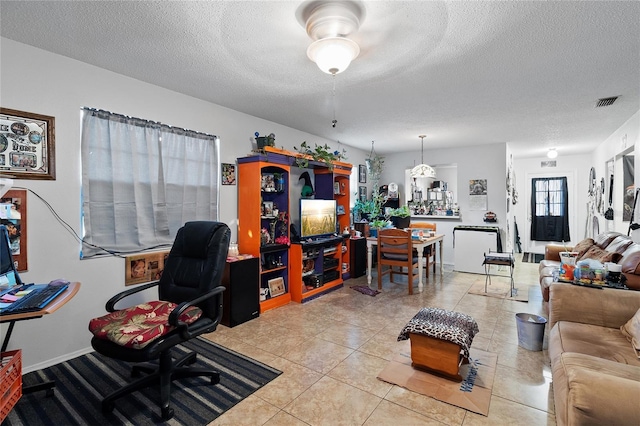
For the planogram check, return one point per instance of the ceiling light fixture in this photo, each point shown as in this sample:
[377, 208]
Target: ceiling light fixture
[329, 23]
[552, 153]
[422, 170]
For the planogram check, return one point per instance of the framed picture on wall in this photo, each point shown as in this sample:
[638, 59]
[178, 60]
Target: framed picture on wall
[362, 193]
[362, 173]
[143, 268]
[27, 145]
[228, 174]
[13, 215]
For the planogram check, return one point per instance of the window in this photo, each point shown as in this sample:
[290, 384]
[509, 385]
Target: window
[550, 211]
[142, 180]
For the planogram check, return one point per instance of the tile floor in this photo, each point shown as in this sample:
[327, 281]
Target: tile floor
[331, 349]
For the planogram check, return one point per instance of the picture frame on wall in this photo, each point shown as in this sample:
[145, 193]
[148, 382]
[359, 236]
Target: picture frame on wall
[362, 173]
[362, 193]
[13, 215]
[143, 268]
[27, 145]
[276, 286]
[228, 174]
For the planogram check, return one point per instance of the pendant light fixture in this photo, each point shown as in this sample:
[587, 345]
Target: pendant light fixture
[422, 170]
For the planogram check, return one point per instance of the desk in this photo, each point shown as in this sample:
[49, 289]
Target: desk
[419, 245]
[53, 306]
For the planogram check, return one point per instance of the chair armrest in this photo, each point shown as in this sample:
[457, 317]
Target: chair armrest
[111, 303]
[552, 251]
[179, 310]
[603, 307]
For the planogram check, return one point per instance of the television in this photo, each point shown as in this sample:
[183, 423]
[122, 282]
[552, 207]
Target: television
[317, 218]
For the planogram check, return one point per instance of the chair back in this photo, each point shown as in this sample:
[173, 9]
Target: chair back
[196, 264]
[423, 225]
[394, 245]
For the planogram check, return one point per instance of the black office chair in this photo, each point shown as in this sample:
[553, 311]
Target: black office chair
[191, 281]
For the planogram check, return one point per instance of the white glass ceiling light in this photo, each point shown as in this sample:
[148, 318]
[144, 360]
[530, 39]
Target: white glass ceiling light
[333, 54]
[329, 23]
[552, 153]
[422, 170]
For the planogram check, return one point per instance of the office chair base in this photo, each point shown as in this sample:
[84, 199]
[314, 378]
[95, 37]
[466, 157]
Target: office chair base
[161, 374]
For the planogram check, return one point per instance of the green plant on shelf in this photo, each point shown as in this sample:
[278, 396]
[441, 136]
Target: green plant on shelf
[321, 154]
[402, 211]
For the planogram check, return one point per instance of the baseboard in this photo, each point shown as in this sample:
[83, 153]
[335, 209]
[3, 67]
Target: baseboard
[57, 360]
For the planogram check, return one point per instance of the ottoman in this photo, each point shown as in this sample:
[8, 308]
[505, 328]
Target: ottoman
[440, 341]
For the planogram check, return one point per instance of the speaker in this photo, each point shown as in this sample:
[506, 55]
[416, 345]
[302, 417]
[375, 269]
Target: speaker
[358, 257]
[241, 299]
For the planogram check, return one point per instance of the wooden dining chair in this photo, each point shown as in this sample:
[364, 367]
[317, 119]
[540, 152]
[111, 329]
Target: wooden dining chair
[429, 252]
[395, 250]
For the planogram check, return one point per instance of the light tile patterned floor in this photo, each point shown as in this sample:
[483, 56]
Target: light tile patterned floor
[331, 349]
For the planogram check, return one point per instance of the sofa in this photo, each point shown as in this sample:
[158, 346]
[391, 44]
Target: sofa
[606, 247]
[594, 364]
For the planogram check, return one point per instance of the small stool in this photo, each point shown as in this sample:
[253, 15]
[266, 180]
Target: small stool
[440, 341]
[500, 259]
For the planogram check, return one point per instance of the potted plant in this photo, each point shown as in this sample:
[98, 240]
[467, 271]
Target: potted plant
[262, 141]
[400, 217]
[321, 153]
[376, 224]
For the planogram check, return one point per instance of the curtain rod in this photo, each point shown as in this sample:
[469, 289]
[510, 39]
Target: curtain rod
[158, 123]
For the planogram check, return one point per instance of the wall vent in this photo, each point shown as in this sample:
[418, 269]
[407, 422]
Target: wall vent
[551, 163]
[606, 101]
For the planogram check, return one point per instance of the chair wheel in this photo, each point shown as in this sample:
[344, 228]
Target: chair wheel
[108, 406]
[167, 413]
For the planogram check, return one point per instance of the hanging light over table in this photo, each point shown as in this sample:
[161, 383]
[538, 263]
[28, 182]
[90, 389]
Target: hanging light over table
[422, 170]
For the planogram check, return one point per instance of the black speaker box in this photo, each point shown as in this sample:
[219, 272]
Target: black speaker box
[241, 299]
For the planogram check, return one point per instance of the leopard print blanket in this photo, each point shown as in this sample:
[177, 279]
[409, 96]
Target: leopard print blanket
[441, 324]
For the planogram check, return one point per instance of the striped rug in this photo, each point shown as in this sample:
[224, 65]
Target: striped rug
[82, 382]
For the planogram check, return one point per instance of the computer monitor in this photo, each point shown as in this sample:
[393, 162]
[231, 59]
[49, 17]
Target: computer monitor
[8, 273]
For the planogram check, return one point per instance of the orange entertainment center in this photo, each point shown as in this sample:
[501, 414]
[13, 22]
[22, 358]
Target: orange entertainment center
[300, 271]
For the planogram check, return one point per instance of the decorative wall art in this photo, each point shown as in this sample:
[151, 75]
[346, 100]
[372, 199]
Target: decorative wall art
[478, 194]
[228, 174]
[27, 145]
[13, 215]
[362, 173]
[146, 267]
[276, 286]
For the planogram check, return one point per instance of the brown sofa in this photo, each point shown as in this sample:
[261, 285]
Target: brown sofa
[595, 370]
[606, 247]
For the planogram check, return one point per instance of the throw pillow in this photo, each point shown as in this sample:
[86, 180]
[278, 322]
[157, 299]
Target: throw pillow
[601, 255]
[583, 246]
[631, 331]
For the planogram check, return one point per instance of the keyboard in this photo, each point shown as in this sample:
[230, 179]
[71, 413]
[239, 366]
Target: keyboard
[37, 299]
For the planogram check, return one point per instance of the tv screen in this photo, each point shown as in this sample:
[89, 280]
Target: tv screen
[317, 217]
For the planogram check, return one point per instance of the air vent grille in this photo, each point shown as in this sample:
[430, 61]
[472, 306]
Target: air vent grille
[606, 101]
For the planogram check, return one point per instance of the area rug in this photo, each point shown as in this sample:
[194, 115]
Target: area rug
[473, 393]
[365, 290]
[500, 288]
[82, 382]
[532, 257]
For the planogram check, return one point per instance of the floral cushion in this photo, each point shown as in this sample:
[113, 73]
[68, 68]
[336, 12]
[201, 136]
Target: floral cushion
[139, 325]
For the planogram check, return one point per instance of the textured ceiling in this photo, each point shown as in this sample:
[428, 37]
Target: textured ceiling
[463, 73]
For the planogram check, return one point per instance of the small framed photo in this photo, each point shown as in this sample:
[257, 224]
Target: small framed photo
[276, 286]
[267, 208]
[336, 188]
[228, 174]
[340, 209]
[362, 173]
[268, 182]
[362, 193]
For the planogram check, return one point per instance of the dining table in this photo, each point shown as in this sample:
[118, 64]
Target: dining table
[419, 244]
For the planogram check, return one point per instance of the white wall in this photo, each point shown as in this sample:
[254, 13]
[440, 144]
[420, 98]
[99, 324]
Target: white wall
[625, 140]
[576, 169]
[40, 82]
[474, 162]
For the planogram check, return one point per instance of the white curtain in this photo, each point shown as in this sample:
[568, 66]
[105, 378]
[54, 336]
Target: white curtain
[142, 180]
